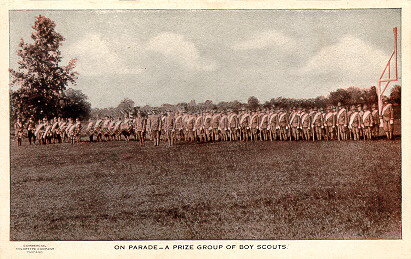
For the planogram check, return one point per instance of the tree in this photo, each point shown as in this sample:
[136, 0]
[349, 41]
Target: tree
[321, 102]
[41, 79]
[253, 103]
[356, 96]
[395, 96]
[339, 96]
[370, 96]
[126, 106]
[75, 105]
[235, 106]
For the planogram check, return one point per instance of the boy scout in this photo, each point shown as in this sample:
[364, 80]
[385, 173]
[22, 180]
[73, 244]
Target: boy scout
[388, 118]
[18, 131]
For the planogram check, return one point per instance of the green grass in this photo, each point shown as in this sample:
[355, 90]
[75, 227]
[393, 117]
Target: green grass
[253, 190]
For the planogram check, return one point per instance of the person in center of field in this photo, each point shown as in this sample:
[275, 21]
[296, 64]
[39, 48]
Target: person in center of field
[140, 126]
[154, 124]
[169, 128]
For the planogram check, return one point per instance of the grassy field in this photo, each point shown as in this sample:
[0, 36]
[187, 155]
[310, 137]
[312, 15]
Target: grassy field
[254, 190]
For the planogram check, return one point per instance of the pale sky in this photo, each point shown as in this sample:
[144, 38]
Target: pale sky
[171, 56]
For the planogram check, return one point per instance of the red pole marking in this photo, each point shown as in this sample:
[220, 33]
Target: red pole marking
[389, 79]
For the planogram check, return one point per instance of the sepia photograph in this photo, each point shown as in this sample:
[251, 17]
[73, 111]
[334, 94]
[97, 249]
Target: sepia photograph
[205, 124]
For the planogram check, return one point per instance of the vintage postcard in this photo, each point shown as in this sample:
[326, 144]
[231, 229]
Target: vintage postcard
[205, 129]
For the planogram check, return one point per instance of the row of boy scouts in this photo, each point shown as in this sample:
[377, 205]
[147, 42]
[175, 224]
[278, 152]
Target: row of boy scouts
[332, 123]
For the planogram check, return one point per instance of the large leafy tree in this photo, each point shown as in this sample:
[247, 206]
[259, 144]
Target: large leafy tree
[75, 105]
[40, 77]
[341, 96]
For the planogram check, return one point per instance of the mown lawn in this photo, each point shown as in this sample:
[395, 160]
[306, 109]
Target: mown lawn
[253, 190]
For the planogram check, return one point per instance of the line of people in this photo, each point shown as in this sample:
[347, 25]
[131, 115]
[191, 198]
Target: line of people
[332, 123]
[57, 130]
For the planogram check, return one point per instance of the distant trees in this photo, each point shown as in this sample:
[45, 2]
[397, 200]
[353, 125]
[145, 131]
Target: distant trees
[346, 97]
[126, 106]
[395, 96]
[341, 96]
[40, 77]
[253, 103]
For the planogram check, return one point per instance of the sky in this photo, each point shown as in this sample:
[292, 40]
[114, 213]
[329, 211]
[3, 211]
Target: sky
[171, 56]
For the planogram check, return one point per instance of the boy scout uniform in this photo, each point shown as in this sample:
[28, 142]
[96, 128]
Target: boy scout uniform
[199, 128]
[179, 127]
[306, 125]
[223, 127]
[254, 123]
[376, 121]
[342, 124]
[354, 124]
[330, 122]
[190, 128]
[367, 122]
[234, 127]
[283, 124]
[154, 125]
[264, 127]
[388, 119]
[273, 126]
[245, 126]
[208, 127]
[295, 121]
[140, 126]
[18, 131]
[169, 128]
[317, 125]
[30, 131]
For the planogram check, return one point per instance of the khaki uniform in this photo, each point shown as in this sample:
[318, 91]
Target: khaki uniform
[306, 125]
[233, 123]
[368, 123]
[215, 123]
[354, 124]
[317, 124]
[388, 119]
[342, 124]
[245, 126]
[295, 123]
[330, 121]
[199, 128]
[223, 127]
[154, 126]
[30, 131]
[264, 127]
[254, 123]
[273, 126]
[18, 132]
